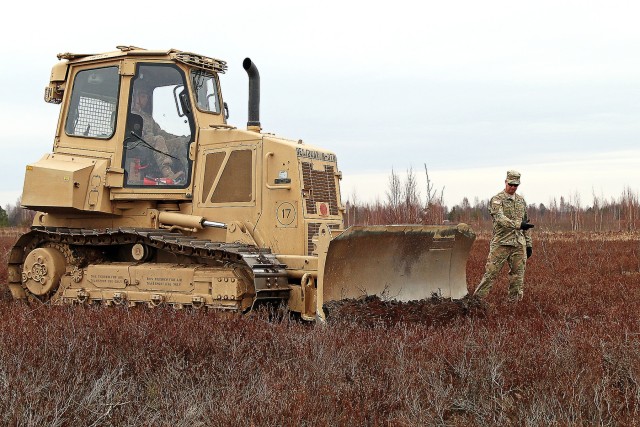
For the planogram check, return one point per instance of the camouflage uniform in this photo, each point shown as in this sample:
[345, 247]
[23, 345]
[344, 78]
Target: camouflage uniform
[164, 142]
[151, 133]
[508, 243]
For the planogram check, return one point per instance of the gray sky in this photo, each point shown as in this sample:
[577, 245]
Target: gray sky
[551, 88]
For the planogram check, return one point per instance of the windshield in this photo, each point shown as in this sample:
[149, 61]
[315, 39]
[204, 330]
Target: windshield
[206, 91]
[159, 128]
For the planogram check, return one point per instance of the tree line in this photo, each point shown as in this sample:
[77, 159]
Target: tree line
[12, 215]
[404, 204]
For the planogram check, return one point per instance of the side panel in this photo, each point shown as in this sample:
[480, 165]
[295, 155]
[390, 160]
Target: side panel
[66, 183]
[227, 186]
[283, 219]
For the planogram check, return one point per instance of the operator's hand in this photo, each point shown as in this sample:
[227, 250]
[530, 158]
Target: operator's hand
[525, 225]
[529, 251]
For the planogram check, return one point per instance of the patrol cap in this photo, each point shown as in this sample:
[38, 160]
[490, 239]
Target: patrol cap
[513, 177]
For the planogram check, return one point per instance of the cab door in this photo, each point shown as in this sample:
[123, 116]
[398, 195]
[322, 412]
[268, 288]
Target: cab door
[160, 130]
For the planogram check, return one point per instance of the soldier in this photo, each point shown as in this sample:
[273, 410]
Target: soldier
[154, 135]
[510, 242]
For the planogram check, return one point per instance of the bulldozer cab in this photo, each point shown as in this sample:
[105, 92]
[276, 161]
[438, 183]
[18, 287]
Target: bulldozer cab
[160, 129]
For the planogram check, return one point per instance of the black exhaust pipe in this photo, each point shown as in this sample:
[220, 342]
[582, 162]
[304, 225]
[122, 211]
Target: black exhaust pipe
[254, 93]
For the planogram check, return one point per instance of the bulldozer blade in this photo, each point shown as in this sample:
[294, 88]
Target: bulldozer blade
[404, 263]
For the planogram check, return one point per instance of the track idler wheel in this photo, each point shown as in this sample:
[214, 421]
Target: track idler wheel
[42, 270]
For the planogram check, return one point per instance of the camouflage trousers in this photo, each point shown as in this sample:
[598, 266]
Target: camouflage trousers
[516, 257]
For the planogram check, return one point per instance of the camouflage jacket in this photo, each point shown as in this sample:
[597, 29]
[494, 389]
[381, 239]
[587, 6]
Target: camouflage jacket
[508, 212]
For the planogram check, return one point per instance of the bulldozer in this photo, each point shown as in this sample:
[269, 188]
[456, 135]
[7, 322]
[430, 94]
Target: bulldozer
[149, 197]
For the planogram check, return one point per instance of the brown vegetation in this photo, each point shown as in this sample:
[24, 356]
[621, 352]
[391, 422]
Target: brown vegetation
[569, 354]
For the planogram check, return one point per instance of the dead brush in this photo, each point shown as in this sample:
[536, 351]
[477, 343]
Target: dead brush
[568, 354]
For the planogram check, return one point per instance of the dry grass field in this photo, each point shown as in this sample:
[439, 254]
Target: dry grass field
[568, 355]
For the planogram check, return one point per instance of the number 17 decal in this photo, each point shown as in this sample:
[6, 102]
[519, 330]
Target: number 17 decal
[286, 213]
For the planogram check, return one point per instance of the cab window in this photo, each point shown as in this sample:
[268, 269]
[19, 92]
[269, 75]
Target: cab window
[206, 91]
[159, 130]
[94, 102]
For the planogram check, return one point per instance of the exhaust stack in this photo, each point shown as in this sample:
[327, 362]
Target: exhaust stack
[253, 122]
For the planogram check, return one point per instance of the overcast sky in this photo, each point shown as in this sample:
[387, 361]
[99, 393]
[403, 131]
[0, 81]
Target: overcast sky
[471, 89]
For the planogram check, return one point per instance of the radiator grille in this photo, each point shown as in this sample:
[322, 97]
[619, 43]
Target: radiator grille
[320, 187]
[312, 230]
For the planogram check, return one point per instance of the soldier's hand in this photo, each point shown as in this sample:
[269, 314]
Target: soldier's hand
[525, 225]
[529, 251]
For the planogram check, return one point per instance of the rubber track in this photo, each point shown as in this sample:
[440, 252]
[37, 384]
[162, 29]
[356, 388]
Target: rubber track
[261, 261]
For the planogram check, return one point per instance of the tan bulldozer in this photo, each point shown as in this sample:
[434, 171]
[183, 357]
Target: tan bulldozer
[149, 197]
